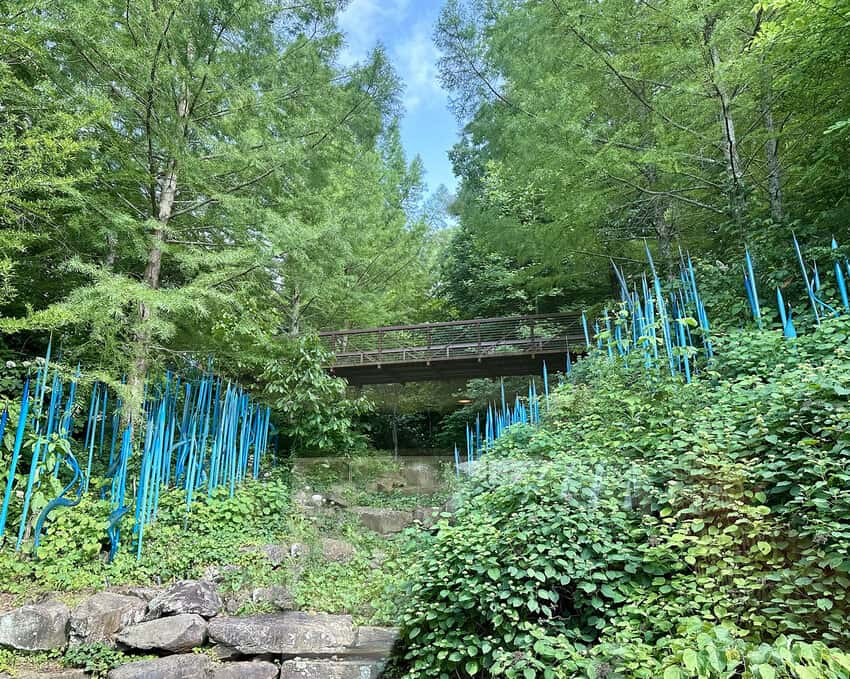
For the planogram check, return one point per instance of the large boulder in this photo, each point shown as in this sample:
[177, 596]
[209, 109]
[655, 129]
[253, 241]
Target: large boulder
[100, 617]
[275, 554]
[330, 669]
[187, 596]
[186, 666]
[374, 642]
[285, 633]
[146, 593]
[255, 669]
[38, 627]
[175, 634]
[384, 521]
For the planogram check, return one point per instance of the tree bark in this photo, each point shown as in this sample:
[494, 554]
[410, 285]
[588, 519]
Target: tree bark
[729, 138]
[665, 233]
[774, 168]
[295, 314]
[153, 269]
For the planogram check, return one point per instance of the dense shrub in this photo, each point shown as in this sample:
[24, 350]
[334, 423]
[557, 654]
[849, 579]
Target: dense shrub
[72, 557]
[653, 528]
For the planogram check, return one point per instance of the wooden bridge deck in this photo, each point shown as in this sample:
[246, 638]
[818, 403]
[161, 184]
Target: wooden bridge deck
[483, 347]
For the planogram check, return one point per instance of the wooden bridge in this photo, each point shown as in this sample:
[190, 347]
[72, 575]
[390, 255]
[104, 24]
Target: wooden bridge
[483, 347]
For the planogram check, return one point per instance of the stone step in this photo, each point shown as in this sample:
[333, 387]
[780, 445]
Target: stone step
[331, 669]
[292, 633]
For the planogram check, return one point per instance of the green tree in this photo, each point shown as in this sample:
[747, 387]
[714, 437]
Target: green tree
[679, 122]
[229, 160]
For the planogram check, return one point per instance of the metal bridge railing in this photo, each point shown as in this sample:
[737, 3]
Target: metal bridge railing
[482, 337]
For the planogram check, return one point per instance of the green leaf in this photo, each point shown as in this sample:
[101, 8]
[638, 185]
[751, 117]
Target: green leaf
[766, 672]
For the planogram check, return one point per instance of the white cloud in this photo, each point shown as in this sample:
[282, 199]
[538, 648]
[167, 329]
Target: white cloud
[409, 44]
[416, 58]
[367, 22]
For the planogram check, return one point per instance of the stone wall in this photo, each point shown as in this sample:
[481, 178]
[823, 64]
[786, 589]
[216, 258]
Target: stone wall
[176, 622]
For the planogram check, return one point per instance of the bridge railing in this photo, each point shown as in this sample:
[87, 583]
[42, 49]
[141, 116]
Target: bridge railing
[456, 339]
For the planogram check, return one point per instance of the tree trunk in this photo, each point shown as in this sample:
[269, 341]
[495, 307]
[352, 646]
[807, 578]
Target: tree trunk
[153, 269]
[729, 139]
[165, 207]
[665, 234]
[295, 314]
[774, 169]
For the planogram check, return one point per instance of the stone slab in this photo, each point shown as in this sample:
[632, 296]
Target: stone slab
[290, 633]
[186, 666]
[174, 634]
[37, 627]
[255, 669]
[330, 669]
[101, 616]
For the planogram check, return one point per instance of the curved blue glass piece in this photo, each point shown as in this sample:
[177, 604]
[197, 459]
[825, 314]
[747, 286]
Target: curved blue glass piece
[61, 500]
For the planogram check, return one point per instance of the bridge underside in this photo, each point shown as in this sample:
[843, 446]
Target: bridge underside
[500, 365]
[482, 347]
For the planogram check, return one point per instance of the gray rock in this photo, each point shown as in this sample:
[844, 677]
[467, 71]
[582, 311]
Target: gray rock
[187, 596]
[256, 669]
[337, 550]
[275, 595]
[285, 633]
[384, 521]
[374, 642]
[330, 669]
[335, 498]
[421, 477]
[378, 558]
[317, 500]
[234, 601]
[389, 483]
[175, 634]
[186, 666]
[100, 617]
[145, 593]
[217, 573]
[57, 674]
[427, 516]
[38, 627]
[275, 554]
[224, 652]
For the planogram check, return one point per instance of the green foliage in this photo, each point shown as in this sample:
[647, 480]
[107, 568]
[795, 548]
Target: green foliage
[72, 555]
[95, 658]
[653, 528]
[207, 198]
[311, 407]
[589, 127]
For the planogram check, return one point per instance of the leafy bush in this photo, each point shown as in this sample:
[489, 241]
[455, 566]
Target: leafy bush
[214, 533]
[311, 406]
[95, 658]
[646, 515]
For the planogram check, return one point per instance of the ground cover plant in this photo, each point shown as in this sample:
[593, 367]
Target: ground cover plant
[653, 528]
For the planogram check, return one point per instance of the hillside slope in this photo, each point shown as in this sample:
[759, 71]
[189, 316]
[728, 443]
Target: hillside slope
[653, 529]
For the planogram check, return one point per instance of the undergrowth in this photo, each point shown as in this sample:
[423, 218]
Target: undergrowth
[217, 530]
[652, 529]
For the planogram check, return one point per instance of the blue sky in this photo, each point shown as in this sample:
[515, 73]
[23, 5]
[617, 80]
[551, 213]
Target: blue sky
[405, 28]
